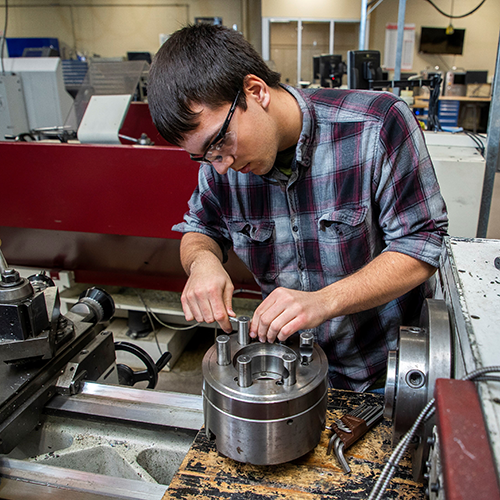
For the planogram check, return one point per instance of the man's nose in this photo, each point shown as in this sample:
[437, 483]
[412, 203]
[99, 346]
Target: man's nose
[223, 165]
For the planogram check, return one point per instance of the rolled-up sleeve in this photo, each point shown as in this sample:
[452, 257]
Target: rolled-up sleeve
[412, 212]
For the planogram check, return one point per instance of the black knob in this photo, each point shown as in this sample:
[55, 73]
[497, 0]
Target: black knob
[102, 298]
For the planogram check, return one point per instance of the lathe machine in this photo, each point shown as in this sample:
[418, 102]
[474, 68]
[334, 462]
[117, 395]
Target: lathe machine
[64, 427]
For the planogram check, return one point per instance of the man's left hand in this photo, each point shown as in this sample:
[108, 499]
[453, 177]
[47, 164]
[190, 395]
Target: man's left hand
[286, 311]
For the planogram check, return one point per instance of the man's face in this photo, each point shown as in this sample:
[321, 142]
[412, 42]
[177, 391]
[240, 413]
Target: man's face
[250, 143]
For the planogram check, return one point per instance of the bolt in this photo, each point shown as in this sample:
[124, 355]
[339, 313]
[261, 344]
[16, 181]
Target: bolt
[10, 276]
[306, 339]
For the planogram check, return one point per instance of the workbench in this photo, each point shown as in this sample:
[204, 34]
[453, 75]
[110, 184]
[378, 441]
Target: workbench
[205, 474]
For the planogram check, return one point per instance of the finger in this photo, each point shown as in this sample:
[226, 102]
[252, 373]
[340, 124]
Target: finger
[191, 307]
[266, 331]
[264, 306]
[222, 317]
[228, 300]
[219, 308]
[280, 324]
[187, 311]
[289, 329]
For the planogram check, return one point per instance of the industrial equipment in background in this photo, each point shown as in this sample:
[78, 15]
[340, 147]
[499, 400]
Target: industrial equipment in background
[46, 98]
[456, 450]
[328, 70]
[251, 391]
[38, 345]
[254, 390]
[34, 96]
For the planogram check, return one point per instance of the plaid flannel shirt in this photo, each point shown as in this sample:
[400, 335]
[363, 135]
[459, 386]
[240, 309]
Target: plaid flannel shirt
[362, 183]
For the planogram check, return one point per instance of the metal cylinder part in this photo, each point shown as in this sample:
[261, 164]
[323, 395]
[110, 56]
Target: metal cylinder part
[265, 407]
[306, 339]
[306, 347]
[424, 354]
[244, 363]
[223, 351]
[242, 324]
[290, 365]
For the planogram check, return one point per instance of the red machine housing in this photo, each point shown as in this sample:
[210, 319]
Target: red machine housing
[102, 211]
[469, 470]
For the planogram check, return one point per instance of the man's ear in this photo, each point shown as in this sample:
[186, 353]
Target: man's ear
[255, 88]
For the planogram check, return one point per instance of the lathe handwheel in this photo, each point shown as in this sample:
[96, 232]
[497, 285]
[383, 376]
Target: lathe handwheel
[127, 376]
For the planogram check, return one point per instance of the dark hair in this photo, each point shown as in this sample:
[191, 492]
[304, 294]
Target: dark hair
[201, 64]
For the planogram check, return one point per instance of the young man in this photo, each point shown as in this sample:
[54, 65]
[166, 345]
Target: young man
[328, 196]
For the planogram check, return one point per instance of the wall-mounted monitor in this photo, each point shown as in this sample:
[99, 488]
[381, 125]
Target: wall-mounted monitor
[436, 41]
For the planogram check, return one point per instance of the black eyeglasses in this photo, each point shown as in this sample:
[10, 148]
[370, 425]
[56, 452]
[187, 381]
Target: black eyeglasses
[218, 138]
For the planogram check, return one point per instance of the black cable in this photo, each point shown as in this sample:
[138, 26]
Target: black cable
[382, 482]
[146, 307]
[451, 16]
[4, 34]
[480, 145]
[433, 122]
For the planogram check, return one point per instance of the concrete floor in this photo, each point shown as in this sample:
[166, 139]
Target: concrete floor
[186, 375]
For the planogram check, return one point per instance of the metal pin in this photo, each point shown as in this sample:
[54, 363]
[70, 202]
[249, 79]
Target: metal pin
[3, 263]
[223, 350]
[290, 365]
[244, 363]
[306, 347]
[306, 339]
[242, 324]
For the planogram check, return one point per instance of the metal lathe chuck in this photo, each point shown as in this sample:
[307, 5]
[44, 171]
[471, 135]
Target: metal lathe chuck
[264, 403]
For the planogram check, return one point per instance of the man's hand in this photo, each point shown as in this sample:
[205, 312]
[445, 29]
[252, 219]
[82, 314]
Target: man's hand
[207, 296]
[286, 311]
[385, 278]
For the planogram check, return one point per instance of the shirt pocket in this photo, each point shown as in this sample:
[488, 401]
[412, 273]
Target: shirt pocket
[343, 236]
[254, 244]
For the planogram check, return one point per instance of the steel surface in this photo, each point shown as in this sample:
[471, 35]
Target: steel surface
[255, 404]
[135, 406]
[424, 355]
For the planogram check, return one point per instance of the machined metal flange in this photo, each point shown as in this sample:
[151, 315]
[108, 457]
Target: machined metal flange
[424, 354]
[265, 403]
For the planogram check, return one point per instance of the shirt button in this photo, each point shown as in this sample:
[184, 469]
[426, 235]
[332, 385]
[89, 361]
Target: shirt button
[295, 229]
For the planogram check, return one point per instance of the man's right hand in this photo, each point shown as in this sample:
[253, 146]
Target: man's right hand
[207, 296]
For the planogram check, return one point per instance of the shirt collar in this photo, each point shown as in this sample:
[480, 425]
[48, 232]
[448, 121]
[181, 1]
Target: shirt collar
[306, 139]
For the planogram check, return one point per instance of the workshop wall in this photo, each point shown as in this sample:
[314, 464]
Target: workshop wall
[317, 9]
[110, 28]
[481, 32]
